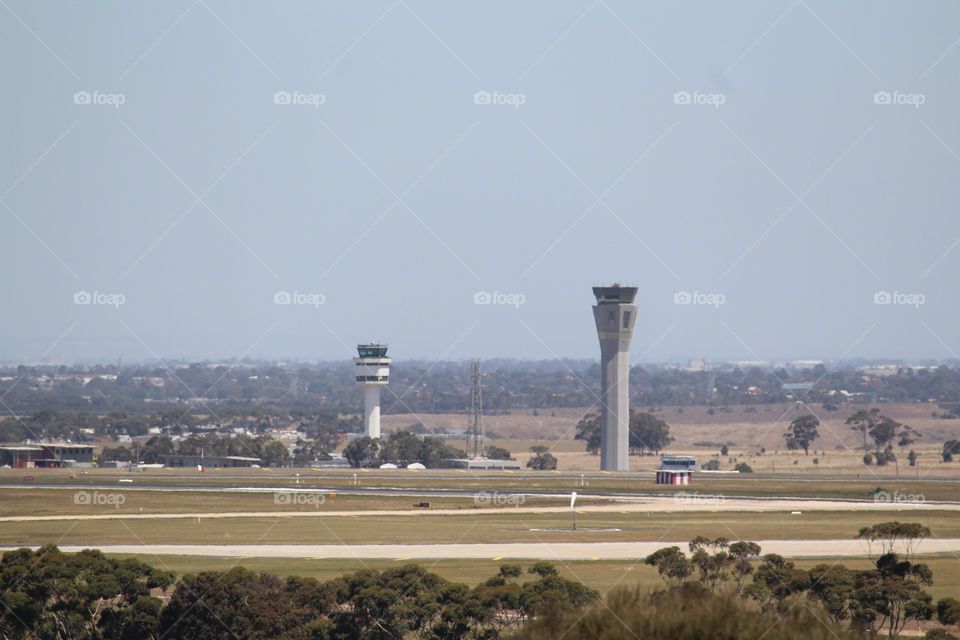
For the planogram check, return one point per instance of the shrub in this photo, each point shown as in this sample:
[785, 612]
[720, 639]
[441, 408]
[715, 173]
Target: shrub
[712, 465]
[948, 611]
[542, 461]
[743, 467]
[680, 614]
[498, 453]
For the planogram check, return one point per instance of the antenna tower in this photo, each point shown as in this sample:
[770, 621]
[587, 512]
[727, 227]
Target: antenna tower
[475, 447]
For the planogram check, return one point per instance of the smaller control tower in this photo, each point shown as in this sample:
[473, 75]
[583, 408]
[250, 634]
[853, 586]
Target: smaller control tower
[373, 371]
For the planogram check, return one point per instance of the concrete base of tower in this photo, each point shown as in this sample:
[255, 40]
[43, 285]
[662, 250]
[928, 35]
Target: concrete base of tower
[371, 410]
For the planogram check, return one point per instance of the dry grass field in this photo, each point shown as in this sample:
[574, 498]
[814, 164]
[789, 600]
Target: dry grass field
[745, 430]
[500, 527]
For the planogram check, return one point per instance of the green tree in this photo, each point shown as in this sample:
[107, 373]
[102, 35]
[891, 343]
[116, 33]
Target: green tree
[775, 580]
[802, 432]
[712, 559]
[742, 553]
[883, 431]
[50, 594]
[863, 422]
[434, 452]
[402, 447]
[648, 433]
[688, 612]
[542, 459]
[588, 430]
[948, 611]
[543, 569]
[950, 449]
[892, 595]
[672, 565]
[274, 453]
[363, 452]
[891, 534]
[155, 448]
[498, 453]
[833, 586]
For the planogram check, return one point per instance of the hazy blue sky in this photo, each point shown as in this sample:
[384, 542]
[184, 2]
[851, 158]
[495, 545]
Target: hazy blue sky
[779, 182]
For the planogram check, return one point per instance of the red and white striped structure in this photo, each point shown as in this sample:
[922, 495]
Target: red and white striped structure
[676, 470]
[674, 477]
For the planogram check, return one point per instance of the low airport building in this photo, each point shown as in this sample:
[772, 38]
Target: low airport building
[676, 470]
[46, 455]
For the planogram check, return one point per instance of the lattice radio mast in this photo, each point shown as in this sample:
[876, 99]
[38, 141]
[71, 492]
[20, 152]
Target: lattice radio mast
[475, 446]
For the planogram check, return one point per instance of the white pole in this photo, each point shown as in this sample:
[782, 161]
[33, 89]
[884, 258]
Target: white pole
[573, 507]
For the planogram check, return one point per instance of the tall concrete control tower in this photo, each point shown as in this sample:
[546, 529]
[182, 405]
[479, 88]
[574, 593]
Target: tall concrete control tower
[615, 314]
[373, 371]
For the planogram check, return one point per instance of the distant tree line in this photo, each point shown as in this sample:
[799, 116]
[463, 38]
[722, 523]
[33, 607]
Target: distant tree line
[272, 452]
[648, 433]
[400, 448]
[445, 387]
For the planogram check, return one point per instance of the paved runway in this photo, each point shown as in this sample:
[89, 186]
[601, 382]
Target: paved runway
[681, 502]
[544, 551]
